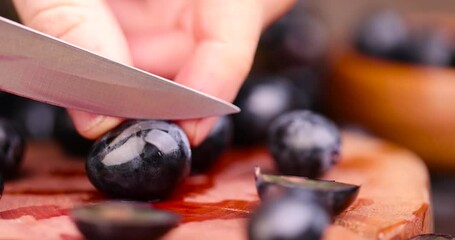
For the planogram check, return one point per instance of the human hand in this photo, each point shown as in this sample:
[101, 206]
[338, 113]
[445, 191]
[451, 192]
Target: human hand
[207, 45]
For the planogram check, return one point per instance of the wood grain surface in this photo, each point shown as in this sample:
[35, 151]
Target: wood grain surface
[393, 202]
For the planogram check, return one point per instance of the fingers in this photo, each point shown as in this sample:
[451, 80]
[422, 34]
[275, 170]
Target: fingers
[228, 32]
[91, 125]
[88, 24]
[273, 9]
[157, 33]
[162, 54]
[145, 16]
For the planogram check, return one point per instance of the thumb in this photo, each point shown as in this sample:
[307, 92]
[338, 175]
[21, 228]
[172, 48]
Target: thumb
[87, 24]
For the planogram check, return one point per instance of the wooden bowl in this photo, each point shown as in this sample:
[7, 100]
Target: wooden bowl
[413, 105]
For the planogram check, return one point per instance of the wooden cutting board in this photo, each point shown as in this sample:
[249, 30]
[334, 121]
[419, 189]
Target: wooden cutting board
[393, 202]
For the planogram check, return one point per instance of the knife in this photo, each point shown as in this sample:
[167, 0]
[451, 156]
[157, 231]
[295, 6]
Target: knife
[40, 67]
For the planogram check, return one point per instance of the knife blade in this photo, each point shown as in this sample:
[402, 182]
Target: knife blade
[46, 69]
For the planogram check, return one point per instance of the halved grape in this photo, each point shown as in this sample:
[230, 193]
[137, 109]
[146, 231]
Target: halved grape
[335, 196]
[123, 220]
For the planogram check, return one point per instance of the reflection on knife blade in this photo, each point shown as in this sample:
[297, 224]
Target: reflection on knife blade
[40, 67]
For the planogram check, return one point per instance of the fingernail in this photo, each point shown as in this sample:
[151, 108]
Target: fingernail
[92, 125]
[197, 130]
